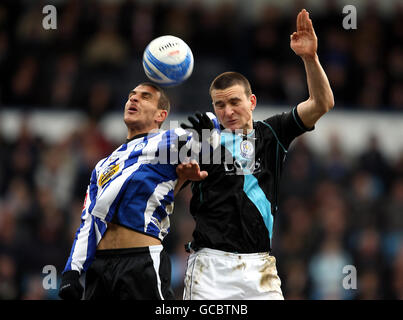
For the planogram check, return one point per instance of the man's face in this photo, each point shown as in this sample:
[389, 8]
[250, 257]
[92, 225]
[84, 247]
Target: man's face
[233, 107]
[141, 109]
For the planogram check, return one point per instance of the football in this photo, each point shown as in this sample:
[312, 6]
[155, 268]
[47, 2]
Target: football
[168, 61]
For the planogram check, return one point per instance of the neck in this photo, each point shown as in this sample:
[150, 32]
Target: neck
[135, 132]
[249, 128]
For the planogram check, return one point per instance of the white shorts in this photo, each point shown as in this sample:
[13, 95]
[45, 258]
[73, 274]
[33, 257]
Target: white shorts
[219, 275]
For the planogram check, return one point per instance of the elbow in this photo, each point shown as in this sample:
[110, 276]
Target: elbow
[323, 105]
[331, 100]
[328, 103]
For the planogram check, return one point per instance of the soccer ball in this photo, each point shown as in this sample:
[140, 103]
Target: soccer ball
[168, 61]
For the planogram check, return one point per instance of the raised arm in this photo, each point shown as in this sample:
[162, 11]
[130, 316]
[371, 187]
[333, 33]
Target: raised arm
[305, 44]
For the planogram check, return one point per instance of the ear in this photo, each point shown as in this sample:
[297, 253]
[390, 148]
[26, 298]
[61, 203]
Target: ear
[161, 116]
[253, 101]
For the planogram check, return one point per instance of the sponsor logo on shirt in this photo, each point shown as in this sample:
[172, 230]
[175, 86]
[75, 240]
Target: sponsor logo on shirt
[108, 173]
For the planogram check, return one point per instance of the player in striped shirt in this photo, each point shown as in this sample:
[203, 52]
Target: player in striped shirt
[127, 207]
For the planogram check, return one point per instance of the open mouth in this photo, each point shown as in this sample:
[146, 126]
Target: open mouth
[132, 109]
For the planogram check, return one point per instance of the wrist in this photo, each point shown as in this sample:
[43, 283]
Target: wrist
[71, 275]
[310, 58]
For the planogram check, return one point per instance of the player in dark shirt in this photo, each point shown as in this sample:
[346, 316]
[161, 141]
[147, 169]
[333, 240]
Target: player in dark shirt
[236, 205]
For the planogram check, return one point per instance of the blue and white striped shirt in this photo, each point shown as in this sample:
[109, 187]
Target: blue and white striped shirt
[133, 187]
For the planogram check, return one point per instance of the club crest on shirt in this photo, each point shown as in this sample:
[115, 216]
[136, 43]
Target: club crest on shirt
[139, 146]
[108, 173]
[247, 149]
[113, 158]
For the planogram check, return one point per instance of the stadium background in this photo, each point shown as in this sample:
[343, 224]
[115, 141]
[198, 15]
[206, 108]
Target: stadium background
[62, 94]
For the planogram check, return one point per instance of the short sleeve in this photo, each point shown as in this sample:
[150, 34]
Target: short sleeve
[287, 126]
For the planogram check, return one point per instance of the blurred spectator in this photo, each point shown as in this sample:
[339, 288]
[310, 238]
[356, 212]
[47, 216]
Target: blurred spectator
[326, 271]
[335, 163]
[295, 284]
[370, 265]
[367, 250]
[294, 84]
[395, 63]
[33, 288]
[23, 156]
[63, 85]
[99, 100]
[393, 220]
[301, 169]
[396, 95]
[369, 285]
[372, 94]
[296, 224]
[364, 65]
[56, 175]
[397, 275]
[9, 288]
[141, 22]
[398, 165]
[24, 83]
[363, 196]
[106, 48]
[373, 161]
[265, 82]
[8, 229]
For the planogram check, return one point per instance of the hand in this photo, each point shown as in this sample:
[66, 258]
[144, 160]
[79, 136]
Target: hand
[71, 288]
[202, 121]
[199, 122]
[304, 42]
[190, 171]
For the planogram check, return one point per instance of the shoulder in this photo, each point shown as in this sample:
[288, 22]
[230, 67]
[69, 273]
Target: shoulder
[100, 163]
[286, 120]
[179, 133]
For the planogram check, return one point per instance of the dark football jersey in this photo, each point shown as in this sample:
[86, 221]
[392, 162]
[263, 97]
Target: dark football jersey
[235, 206]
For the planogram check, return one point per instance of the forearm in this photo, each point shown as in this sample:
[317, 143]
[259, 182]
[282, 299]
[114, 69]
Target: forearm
[320, 98]
[320, 92]
[179, 186]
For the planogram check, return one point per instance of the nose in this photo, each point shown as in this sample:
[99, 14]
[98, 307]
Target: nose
[228, 112]
[133, 98]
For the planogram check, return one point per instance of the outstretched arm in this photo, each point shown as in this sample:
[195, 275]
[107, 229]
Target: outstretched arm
[305, 44]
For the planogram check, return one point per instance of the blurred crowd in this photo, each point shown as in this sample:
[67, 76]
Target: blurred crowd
[336, 210]
[94, 56]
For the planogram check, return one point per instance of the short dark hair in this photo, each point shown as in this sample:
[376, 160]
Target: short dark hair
[163, 102]
[229, 79]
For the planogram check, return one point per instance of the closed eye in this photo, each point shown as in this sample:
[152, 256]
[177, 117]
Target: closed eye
[219, 104]
[235, 101]
[146, 95]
